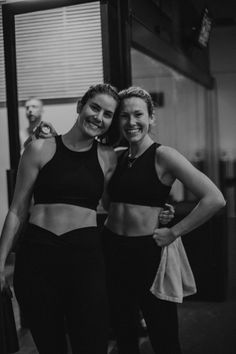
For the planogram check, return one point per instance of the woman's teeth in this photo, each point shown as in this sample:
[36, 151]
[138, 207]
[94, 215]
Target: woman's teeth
[133, 131]
[94, 126]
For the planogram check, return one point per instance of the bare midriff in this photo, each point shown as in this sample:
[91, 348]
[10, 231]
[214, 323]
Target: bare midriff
[132, 220]
[62, 218]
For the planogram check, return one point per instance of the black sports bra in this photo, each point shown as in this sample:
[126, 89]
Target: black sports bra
[70, 177]
[138, 184]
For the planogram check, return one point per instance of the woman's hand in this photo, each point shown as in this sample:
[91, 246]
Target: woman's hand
[163, 236]
[166, 214]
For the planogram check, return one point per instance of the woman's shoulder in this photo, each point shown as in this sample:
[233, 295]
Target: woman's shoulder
[165, 150]
[39, 149]
[168, 155]
[105, 149]
[120, 150]
[40, 145]
[107, 156]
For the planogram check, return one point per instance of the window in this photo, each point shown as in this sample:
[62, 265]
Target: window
[58, 51]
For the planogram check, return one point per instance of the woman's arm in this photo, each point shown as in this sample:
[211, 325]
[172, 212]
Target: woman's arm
[176, 166]
[108, 163]
[17, 214]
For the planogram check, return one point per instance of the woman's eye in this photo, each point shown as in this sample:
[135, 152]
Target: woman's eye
[108, 115]
[95, 108]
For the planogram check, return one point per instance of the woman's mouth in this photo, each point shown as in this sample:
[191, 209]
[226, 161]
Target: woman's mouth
[132, 131]
[95, 126]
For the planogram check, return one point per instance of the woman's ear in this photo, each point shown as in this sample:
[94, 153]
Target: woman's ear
[152, 119]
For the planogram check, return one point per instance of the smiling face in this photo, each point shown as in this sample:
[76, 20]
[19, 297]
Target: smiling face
[95, 117]
[134, 119]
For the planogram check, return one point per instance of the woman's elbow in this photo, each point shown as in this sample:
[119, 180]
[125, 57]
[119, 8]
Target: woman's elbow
[222, 202]
[219, 202]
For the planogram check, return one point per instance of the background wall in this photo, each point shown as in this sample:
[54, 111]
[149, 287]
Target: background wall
[223, 67]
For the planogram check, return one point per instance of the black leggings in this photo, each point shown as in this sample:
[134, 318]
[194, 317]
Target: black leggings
[132, 264]
[59, 283]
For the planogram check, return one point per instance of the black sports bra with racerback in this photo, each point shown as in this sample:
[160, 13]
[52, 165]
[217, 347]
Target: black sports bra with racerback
[138, 184]
[70, 177]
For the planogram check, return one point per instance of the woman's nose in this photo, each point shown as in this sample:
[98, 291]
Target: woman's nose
[132, 120]
[99, 116]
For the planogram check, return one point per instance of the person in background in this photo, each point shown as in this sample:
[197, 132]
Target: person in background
[36, 127]
[33, 112]
[59, 274]
[133, 237]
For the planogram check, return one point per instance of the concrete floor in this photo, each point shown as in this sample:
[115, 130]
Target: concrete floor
[205, 327]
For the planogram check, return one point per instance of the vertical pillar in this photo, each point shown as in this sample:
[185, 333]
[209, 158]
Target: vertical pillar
[116, 42]
[212, 134]
[11, 85]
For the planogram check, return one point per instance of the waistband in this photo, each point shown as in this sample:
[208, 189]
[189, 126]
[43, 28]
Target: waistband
[35, 234]
[106, 233]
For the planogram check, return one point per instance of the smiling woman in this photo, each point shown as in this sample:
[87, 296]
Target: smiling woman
[133, 236]
[65, 175]
[95, 116]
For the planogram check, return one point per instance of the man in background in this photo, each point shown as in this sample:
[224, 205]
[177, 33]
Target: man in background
[33, 111]
[36, 128]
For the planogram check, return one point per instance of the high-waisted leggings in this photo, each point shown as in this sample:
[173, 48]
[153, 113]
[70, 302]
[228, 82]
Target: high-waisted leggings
[59, 283]
[132, 263]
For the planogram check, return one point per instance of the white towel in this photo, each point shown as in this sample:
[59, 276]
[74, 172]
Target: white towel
[174, 279]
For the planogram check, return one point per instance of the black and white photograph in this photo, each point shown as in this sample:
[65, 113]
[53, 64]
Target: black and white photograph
[117, 176]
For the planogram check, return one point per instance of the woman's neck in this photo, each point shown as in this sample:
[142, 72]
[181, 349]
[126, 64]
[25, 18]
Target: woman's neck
[137, 148]
[76, 141]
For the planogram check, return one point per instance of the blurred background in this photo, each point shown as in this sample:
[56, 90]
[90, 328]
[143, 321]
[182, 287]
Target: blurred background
[184, 53]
